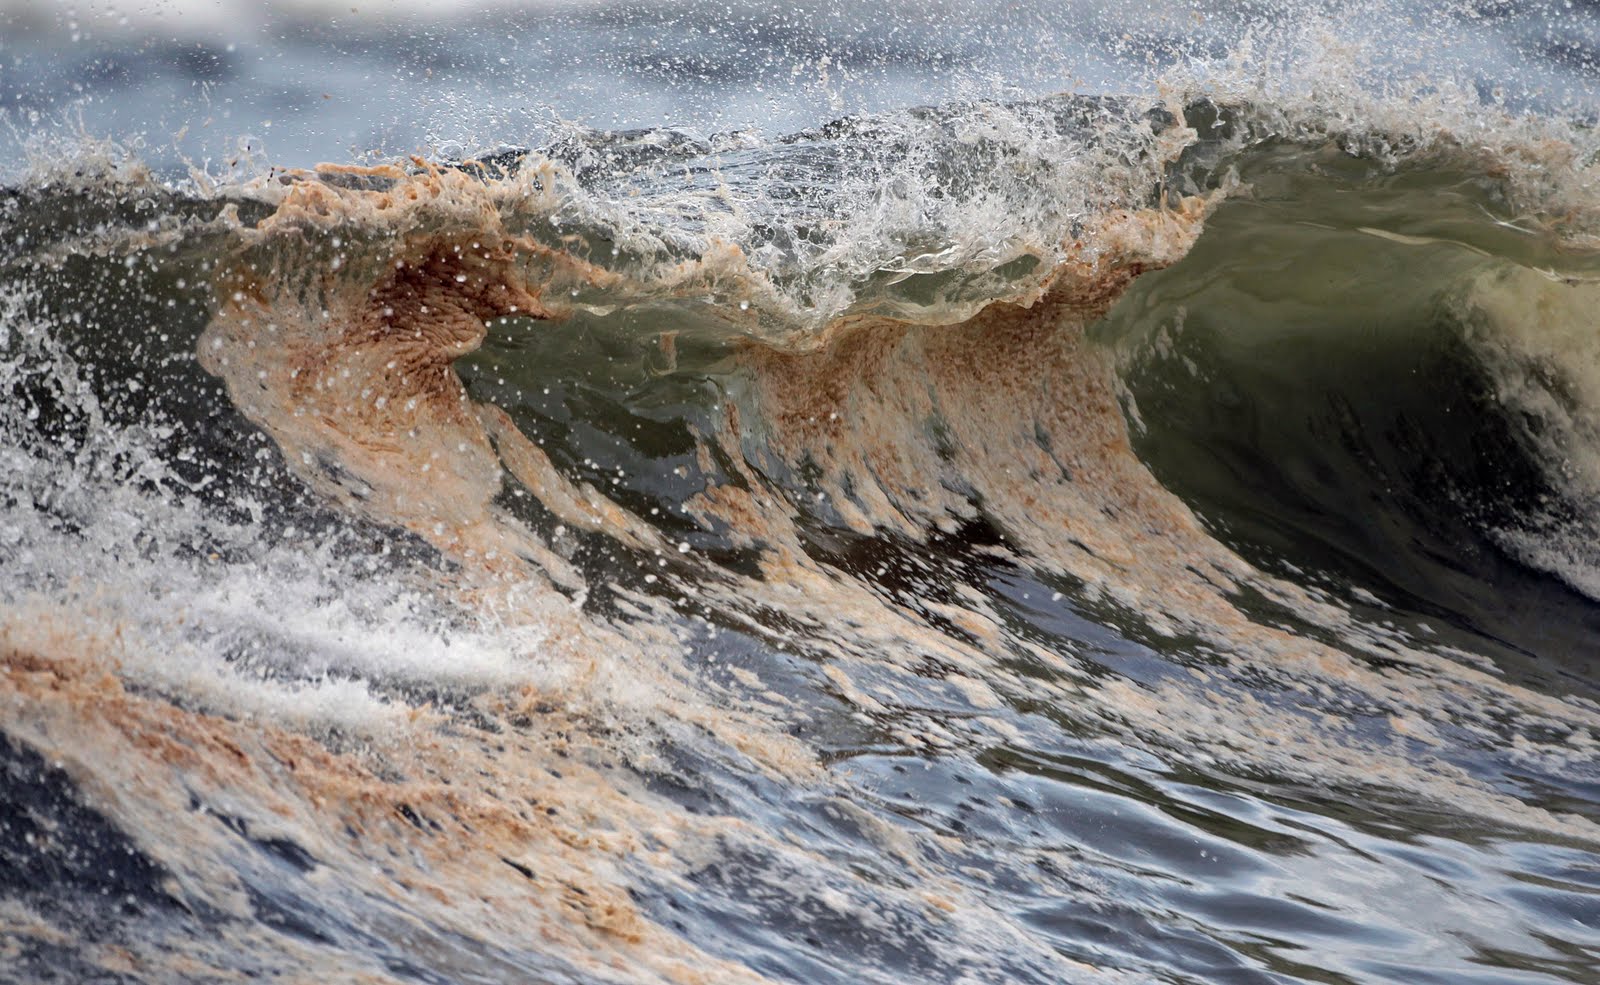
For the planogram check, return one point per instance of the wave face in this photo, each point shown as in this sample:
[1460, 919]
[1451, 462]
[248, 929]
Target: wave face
[1068, 539]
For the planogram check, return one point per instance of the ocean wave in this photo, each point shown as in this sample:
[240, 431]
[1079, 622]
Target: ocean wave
[569, 559]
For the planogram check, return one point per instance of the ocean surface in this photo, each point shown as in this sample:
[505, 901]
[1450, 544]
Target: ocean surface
[705, 493]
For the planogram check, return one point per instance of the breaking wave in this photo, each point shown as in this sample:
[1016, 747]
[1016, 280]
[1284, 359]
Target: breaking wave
[1079, 539]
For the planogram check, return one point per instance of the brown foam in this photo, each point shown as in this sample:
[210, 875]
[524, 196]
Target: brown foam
[425, 821]
[906, 427]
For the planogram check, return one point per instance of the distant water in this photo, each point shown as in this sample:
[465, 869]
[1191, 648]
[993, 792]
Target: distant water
[292, 84]
[963, 494]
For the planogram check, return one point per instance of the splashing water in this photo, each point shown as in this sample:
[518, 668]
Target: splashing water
[962, 495]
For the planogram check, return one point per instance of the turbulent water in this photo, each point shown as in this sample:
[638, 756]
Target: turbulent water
[1140, 536]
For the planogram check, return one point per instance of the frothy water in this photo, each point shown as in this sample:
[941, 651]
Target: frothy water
[953, 530]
